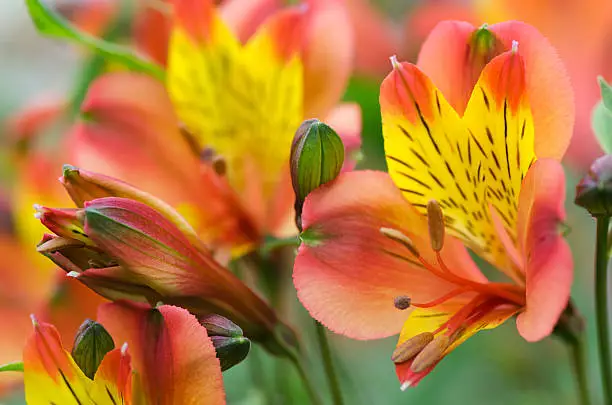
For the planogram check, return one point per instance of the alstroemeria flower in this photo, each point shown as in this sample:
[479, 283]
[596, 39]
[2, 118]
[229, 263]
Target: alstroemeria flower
[213, 142]
[125, 249]
[367, 268]
[164, 356]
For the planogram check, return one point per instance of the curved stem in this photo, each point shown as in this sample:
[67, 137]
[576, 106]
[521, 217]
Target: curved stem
[601, 306]
[578, 353]
[328, 363]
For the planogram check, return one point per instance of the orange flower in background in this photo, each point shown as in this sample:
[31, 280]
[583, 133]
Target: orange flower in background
[163, 356]
[238, 105]
[488, 175]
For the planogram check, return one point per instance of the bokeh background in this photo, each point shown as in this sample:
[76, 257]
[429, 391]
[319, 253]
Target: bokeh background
[495, 367]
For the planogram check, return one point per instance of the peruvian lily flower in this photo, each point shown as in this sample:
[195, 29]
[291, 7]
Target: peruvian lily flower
[125, 249]
[164, 356]
[213, 142]
[485, 179]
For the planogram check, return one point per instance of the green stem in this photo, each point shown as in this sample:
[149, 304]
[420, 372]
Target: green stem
[578, 353]
[308, 384]
[328, 363]
[601, 306]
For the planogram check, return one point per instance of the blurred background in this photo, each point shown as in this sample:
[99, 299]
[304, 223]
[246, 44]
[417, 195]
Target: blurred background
[37, 75]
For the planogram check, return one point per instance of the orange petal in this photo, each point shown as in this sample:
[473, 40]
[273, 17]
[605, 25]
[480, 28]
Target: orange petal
[174, 357]
[134, 136]
[347, 273]
[50, 373]
[490, 320]
[444, 59]
[549, 269]
[113, 379]
[151, 31]
[195, 17]
[328, 55]
[245, 16]
[547, 80]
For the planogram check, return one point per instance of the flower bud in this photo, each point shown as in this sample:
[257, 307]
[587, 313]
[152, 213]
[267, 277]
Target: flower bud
[91, 343]
[83, 186]
[594, 192]
[231, 350]
[227, 337]
[67, 222]
[217, 325]
[317, 156]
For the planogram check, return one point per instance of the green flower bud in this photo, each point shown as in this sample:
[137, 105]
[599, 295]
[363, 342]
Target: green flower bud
[91, 343]
[594, 192]
[231, 350]
[230, 344]
[317, 156]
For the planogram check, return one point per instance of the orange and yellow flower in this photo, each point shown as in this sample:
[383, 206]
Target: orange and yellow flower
[213, 142]
[164, 356]
[487, 175]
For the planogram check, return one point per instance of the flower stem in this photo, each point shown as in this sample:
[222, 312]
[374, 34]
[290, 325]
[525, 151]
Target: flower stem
[308, 384]
[578, 353]
[328, 363]
[601, 306]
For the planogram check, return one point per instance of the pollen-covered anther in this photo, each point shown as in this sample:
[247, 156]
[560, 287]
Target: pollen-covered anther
[402, 302]
[435, 223]
[411, 347]
[399, 237]
[431, 354]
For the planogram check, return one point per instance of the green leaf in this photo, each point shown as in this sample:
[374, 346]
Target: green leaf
[16, 366]
[53, 25]
[606, 93]
[602, 126]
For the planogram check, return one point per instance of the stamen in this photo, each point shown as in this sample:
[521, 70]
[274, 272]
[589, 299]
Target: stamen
[435, 223]
[440, 300]
[398, 236]
[402, 302]
[431, 354]
[411, 347]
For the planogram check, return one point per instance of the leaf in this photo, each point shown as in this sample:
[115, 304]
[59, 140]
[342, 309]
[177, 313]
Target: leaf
[15, 366]
[50, 24]
[606, 93]
[602, 126]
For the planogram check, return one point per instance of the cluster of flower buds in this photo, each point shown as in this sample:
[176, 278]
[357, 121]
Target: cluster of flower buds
[125, 244]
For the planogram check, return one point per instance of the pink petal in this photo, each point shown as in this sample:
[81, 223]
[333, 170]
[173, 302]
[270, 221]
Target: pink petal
[549, 268]
[344, 274]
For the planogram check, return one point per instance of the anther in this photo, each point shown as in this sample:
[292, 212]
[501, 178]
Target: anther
[411, 347]
[431, 354]
[219, 165]
[435, 223]
[398, 236]
[402, 302]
